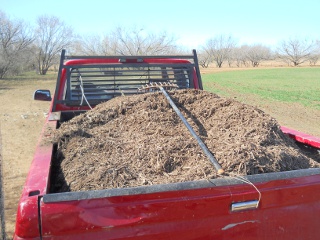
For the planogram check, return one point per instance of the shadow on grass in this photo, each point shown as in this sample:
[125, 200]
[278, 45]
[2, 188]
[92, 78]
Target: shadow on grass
[5, 88]
[32, 76]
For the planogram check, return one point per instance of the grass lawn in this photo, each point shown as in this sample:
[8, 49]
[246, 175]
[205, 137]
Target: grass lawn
[289, 85]
[30, 76]
[29, 79]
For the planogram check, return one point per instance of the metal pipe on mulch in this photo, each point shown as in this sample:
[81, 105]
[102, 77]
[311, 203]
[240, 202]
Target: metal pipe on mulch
[193, 133]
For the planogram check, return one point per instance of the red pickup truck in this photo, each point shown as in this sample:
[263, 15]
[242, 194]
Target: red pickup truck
[288, 206]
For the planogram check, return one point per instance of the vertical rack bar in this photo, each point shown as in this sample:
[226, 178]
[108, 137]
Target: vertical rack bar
[195, 57]
[62, 57]
[68, 79]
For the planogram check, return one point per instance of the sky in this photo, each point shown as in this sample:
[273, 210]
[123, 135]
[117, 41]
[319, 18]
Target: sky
[192, 22]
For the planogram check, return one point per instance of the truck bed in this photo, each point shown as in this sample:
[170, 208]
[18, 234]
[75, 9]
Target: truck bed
[224, 208]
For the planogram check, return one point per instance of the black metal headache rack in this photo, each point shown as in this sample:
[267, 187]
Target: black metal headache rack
[90, 83]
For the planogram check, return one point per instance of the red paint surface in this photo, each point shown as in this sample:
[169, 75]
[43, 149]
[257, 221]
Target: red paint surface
[302, 137]
[27, 222]
[287, 210]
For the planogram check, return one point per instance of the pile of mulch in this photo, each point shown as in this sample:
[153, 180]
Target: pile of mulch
[139, 140]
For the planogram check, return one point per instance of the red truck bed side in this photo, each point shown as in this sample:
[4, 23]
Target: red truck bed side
[203, 213]
[302, 137]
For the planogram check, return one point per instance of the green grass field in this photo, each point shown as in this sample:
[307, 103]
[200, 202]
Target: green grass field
[299, 85]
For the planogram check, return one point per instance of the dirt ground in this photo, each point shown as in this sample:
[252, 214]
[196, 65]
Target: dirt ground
[21, 121]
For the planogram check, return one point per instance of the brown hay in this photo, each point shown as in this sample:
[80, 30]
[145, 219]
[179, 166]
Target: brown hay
[139, 140]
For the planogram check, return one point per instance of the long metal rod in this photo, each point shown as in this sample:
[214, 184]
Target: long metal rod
[132, 57]
[194, 134]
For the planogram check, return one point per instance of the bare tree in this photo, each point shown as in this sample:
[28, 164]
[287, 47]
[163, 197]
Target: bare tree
[296, 51]
[139, 42]
[52, 36]
[313, 59]
[204, 58]
[257, 53]
[230, 57]
[97, 45]
[15, 40]
[220, 48]
[92, 45]
[134, 41]
[239, 55]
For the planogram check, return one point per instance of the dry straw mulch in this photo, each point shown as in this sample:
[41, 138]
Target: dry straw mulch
[139, 140]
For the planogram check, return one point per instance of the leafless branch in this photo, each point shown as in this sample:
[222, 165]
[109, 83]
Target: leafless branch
[15, 40]
[53, 35]
[134, 41]
[219, 48]
[296, 51]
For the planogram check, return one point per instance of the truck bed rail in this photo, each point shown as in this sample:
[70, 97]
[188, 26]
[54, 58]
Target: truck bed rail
[227, 181]
[302, 137]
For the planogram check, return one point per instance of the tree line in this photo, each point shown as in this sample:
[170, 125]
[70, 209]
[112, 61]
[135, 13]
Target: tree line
[225, 50]
[25, 48]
